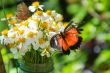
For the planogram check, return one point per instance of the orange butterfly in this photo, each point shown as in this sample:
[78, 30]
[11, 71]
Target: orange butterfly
[68, 39]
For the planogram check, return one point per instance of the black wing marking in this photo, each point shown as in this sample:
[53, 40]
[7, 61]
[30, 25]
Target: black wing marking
[73, 25]
[69, 26]
[54, 42]
[77, 45]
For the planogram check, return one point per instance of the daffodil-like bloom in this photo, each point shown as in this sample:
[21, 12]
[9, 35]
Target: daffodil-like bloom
[33, 33]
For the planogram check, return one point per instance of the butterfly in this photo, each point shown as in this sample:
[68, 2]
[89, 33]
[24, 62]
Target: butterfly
[67, 40]
[22, 12]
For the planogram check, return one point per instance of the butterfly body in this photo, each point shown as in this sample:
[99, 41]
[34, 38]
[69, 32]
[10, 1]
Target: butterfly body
[67, 40]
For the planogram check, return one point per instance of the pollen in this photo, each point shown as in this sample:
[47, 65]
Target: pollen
[20, 31]
[36, 4]
[44, 25]
[41, 40]
[12, 22]
[5, 32]
[9, 15]
[15, 28]
[49, 12]
[30, 34]
[21, 40]
[39, 12]
[26, 23]
[52, 29]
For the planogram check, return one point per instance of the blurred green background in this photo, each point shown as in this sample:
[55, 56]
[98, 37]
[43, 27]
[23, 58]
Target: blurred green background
[93, 16]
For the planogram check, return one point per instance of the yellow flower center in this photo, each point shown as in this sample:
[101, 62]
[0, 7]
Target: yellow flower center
[12, 22]
[5, 32]
[15, 28]
[20, 31]
[36, 20]
[26, 23]
[52, 29]
[56, 25]
[44, 25]
[41, 40]
[9, 15]
[36, 4]
[30, 34]
[39, 12]
[49, 12]
[21, 40]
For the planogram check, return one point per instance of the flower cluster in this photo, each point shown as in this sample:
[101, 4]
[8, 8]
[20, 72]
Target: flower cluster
[33, 33]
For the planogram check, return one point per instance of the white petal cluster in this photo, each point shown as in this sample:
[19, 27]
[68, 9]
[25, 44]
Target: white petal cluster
[35, 6]
[35, 32]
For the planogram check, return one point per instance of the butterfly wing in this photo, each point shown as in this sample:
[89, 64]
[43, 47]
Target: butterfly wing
[22, 12]
[72, 36]
[54, 42]
[58, 42]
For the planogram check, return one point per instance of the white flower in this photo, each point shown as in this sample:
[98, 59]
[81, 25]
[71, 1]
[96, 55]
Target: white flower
[29, 42]
[41, 7]
[35, 16]
[1, 39]
[8, 40]
[45, 17]
[51, 34]
[5, 19]
[40, 34]
[32, 8]
[35, 46]
[43, 44]
[41, 41]
[32, 24]
[58, 17]
[61, 29]
[11, 33]
[54, 13]
[48, 51]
